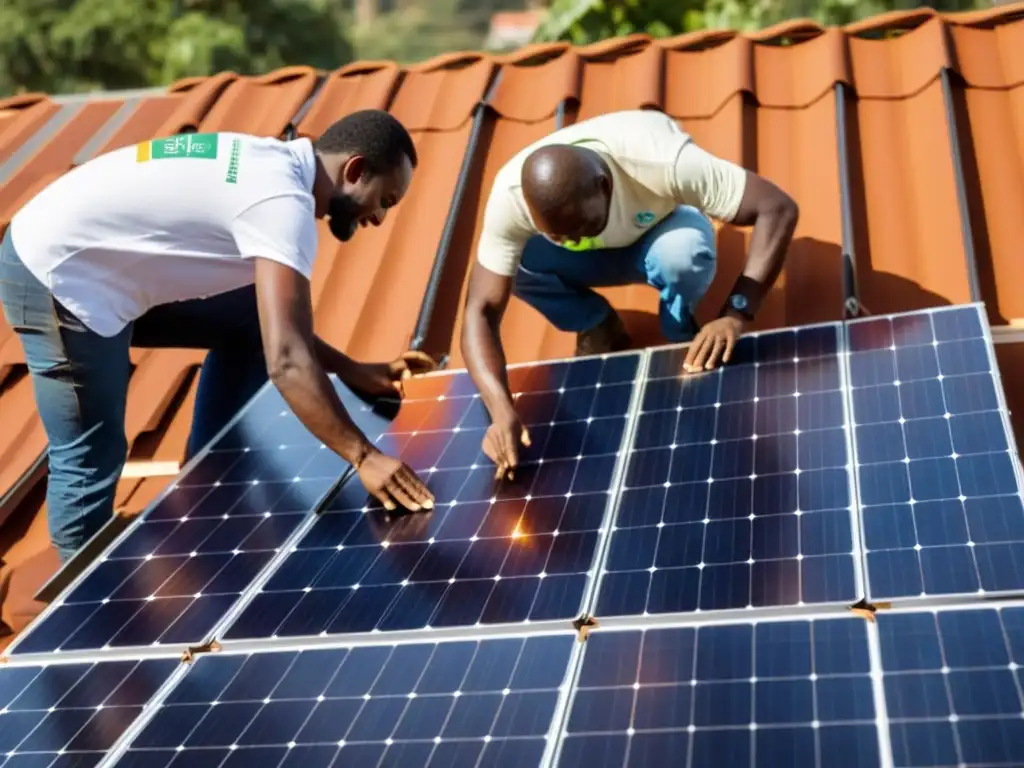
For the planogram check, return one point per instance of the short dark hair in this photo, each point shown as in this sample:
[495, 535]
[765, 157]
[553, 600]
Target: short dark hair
[374, 134]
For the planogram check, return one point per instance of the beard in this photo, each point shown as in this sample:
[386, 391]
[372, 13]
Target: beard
[343, 216]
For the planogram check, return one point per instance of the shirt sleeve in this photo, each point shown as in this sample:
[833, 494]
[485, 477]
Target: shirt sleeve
[709, 183]
[503, 238]
[280, 228]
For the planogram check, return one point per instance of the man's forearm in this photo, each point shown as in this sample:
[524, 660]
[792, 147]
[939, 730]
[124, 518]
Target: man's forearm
[485, 360]
[304, 385]
[331, 359]
[773, 232]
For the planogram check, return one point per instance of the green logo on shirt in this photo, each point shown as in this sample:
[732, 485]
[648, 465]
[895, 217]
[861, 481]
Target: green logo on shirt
[583, 244]
[202, 146]
[644, 218]
[236, 150]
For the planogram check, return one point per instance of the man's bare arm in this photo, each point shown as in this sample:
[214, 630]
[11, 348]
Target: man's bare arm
[286, 324]
[774, 215]
[481, 342]
[486, 301]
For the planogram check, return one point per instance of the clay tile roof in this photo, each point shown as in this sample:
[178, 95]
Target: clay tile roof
[900, 137]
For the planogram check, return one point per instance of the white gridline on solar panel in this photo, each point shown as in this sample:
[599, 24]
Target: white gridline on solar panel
[950, 438]
[847, 466]
[934, 689]
[100, 723]
[363, 701]
[832, 706]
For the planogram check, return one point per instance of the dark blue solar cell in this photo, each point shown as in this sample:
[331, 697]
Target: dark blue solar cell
[176, 572]
[952, 686]
[491, 551]
[739, 498]
[412, 704]
[73, 713]
[740, 694]
[940, 503]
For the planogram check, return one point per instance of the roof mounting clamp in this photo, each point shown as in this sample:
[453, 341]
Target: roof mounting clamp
[867, 610]
[583, 625]
[190, 653]
[854, 308]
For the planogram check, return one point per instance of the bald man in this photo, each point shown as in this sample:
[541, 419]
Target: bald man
[620, 199]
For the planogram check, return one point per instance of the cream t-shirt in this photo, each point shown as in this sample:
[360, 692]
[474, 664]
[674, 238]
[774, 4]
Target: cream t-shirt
[655, 166]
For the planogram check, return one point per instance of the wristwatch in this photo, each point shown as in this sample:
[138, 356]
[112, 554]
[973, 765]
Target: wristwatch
[739, 304]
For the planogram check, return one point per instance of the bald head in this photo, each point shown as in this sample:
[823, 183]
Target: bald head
[568, 191]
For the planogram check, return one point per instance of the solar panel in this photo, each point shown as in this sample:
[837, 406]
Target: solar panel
[72, 714]
[772, 693]
[737, 491]
[465, 703]
[172, 576]
[953, 686]
[491, 552]
[941, 505]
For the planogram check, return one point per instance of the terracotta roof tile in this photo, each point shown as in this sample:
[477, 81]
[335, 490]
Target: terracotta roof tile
[906, 153]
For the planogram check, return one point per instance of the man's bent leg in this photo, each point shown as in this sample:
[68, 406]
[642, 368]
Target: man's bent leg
[234, 370]
[557, 282]
[679, 258]
[80, 382]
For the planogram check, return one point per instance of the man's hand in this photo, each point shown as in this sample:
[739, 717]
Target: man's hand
[501, 444]
[714, 342]
[390, 480]
[386, 379]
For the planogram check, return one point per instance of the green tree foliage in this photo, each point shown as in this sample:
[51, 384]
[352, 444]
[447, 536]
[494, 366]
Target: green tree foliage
[421, 30]
[64, 46]
[586, 21]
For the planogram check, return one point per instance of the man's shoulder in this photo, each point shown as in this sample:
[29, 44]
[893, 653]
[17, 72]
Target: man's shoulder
[272, 166]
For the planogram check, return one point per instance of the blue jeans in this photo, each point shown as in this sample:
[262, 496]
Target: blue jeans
[676, 256]
[80, 383]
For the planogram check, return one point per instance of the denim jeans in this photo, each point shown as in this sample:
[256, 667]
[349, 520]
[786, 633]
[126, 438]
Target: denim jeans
[80, 383]
[676, 256]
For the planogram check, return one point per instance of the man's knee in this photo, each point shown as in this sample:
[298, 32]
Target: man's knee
[82, 485]
[684, 256]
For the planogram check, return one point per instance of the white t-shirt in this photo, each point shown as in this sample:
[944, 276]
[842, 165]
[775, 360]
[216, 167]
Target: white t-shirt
[169, 220]
[655, 167]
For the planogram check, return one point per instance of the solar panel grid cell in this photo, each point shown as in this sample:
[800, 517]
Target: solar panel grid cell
[465, 703]
[942, 512]
[72, 714]
[175, 573]
[954, 686]
[491, 551]
[737, 491]
[764, 694]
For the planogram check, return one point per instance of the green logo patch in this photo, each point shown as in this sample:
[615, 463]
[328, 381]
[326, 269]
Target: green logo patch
[202, 146]
[584, 244]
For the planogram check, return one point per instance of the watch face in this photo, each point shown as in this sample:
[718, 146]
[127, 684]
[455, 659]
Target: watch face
[738, 301]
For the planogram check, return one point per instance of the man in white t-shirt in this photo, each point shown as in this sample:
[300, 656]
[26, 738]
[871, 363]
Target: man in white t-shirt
[619, 199]
[204, 241]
